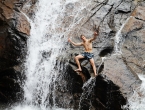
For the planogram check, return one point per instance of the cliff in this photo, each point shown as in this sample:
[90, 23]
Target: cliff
[118, 73]
[118, 70]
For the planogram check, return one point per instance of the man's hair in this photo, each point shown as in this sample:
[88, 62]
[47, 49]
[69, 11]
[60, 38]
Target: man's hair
[81, 36]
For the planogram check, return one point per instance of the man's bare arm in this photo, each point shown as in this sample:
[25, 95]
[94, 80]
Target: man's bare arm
[95, 36]
[76, 44]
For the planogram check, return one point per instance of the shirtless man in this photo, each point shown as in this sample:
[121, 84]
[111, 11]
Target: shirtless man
[87, 43]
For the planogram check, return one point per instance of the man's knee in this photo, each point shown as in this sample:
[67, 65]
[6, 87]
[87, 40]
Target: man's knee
[92, 63]
[76, 58]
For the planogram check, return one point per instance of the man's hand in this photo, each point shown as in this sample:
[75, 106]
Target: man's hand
[95, 33]
[94, 37]
[69, 40]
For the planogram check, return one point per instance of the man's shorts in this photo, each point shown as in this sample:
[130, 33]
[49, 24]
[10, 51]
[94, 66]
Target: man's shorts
[87, 55]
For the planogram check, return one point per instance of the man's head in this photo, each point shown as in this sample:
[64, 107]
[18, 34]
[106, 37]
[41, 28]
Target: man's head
[83, 37]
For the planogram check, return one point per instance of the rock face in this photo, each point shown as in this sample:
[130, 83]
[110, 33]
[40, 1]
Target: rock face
[96, 93]
[116, 70]
[14, 30]
[101, 94]
[109, 16]
[133, 47]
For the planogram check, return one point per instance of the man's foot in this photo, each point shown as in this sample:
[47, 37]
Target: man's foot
[78, 70]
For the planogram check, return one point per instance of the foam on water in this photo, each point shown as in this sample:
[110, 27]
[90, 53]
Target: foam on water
[31, 107]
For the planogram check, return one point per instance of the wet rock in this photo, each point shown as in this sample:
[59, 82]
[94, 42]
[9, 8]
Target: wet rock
[133, 46]
[22, 24]
[102, 13]
[124, 7]
[6, 12]
[28, 7]
[119, 71]
[120, 74]
[95, 93]
[14, 30]
[68, 88]
[100, 93]
[9, 85]
[138, 13]
[133, 52]
[132, 25]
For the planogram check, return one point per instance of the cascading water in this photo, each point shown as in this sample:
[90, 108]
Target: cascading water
[44, 40]
[47, 41]
[119, 39]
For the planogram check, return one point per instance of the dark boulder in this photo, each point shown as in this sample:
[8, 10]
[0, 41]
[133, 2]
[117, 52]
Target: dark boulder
[14, 31]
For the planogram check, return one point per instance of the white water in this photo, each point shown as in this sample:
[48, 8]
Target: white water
[31, 107]
[44, 39]
[47, 41]
[137, 100]
[119, 39]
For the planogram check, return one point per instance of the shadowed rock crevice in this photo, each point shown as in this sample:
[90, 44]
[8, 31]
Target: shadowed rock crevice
[106, 51]
[9, 86]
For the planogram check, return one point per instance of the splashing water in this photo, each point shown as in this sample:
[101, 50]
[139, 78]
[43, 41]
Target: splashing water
[30, 107]
[46, 43]
[87, 91]
[137, 100]
[39, 69]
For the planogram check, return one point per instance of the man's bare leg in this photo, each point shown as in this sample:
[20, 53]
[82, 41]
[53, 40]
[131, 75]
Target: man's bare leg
[78, 63]
[93, 65]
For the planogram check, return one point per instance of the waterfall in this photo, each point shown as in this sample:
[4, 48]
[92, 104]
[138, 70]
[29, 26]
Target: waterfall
[47, 42]
[44, 46]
